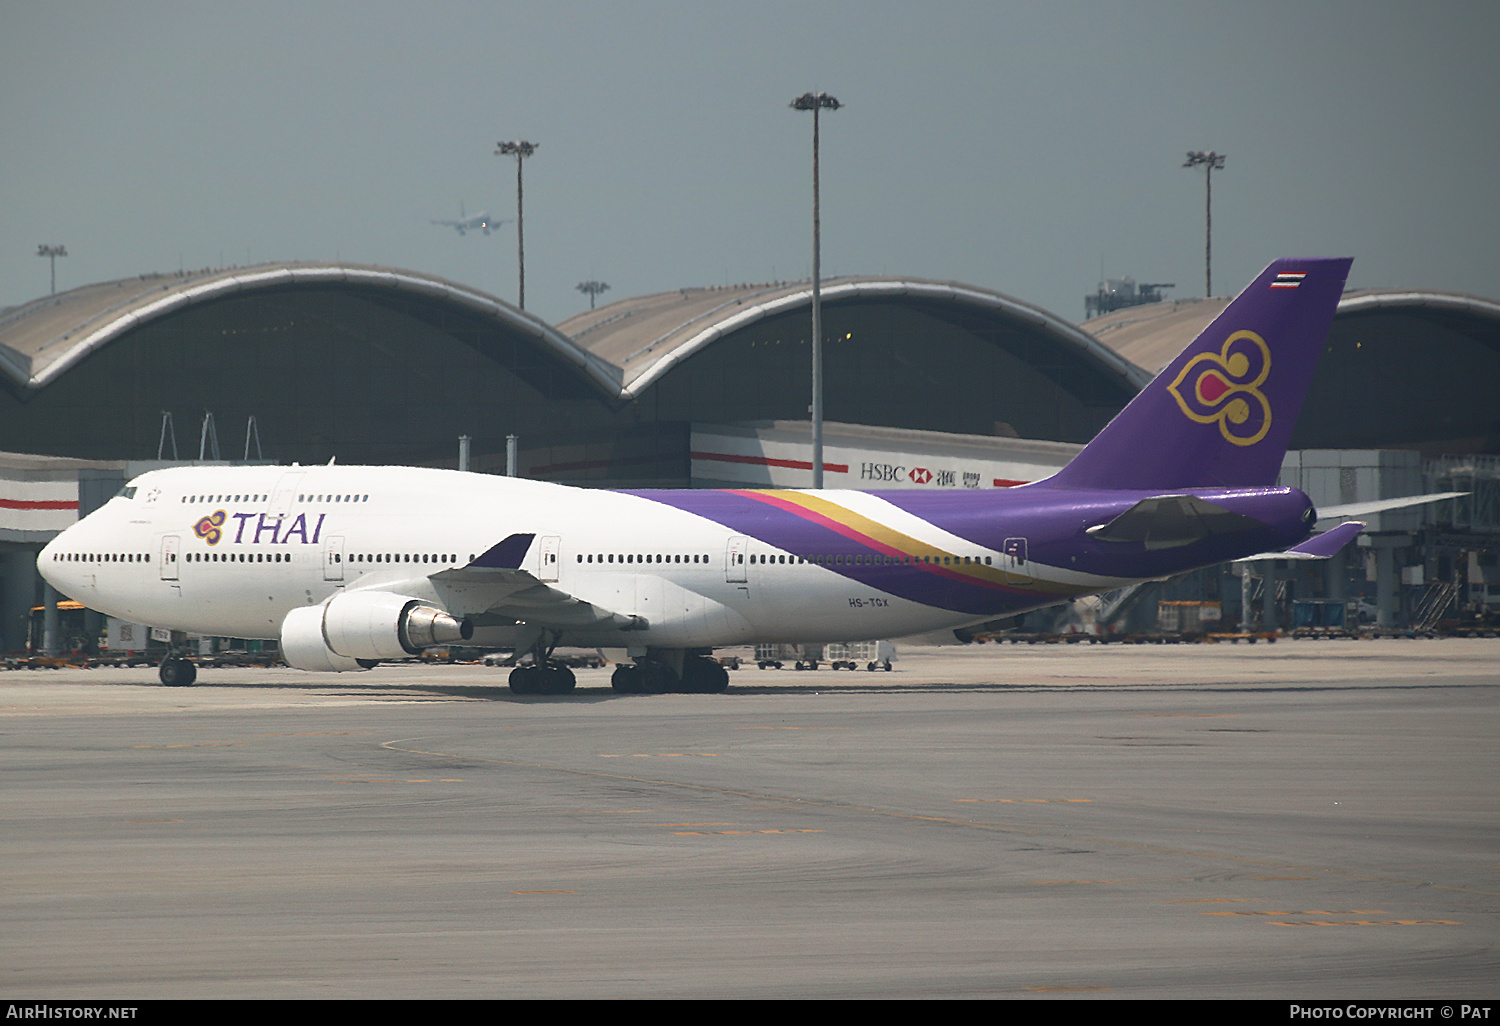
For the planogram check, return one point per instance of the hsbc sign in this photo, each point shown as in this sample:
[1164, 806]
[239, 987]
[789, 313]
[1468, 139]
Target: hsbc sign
[901, 474]
[896, 473]
[891, 472]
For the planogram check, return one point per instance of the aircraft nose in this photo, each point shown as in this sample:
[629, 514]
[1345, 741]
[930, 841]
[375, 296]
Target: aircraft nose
[48, 561]
[57, 569]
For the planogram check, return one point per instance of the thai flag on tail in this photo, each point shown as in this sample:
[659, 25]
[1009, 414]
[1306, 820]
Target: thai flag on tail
[1288, 279]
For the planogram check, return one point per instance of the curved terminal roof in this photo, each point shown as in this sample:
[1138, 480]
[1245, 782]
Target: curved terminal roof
[41, 340]
[624, 347]
[380, 364]
[1150, 336]
[386, 364]
[647, 336]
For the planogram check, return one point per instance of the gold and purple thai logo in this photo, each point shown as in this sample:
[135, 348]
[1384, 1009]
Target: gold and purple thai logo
[1224, 388]
[209, 528]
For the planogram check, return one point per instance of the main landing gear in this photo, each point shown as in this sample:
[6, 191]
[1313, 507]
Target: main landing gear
[700, 675]
[177, 672]
[541, 676]
[542, 679]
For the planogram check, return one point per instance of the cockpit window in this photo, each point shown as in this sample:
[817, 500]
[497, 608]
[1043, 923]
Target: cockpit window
[128, 492]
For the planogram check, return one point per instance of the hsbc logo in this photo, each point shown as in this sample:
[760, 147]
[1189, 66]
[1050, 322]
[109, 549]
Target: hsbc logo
[921, 475]
[881, 472]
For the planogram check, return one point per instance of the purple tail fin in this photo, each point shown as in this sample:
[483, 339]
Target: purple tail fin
[1221, 413]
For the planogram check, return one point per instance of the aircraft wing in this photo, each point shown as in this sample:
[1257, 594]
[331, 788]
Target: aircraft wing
[495, 590]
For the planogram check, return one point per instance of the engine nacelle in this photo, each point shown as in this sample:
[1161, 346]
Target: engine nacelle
[303, 646]
[356, 629]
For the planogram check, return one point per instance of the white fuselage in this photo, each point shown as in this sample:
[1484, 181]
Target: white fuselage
[230, 551]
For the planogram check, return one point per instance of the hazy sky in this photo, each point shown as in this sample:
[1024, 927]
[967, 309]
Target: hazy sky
[1017, 146]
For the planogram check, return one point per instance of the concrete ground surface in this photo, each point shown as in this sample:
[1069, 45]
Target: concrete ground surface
[1292, 821]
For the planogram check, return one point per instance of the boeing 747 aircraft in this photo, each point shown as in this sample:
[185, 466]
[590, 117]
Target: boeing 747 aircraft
[481, 221]
[347, 566]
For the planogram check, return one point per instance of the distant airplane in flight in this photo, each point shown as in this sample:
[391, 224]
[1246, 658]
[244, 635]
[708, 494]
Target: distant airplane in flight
[481, 221]
[347, 566]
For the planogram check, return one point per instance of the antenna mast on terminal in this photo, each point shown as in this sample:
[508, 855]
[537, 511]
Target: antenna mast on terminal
[252, 429]
[167, 431]
[208, 438]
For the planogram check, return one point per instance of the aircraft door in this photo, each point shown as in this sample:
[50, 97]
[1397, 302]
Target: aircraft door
[735, 556]
[333, 558]
[286, 491]
[548, 555]
[170, 544]
[1013, 560]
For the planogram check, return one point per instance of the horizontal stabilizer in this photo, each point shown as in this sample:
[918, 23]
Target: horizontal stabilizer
[1364, 509]
[1322, 546]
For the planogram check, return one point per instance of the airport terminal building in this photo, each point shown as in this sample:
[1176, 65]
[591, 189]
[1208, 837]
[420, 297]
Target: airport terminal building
[933, 385]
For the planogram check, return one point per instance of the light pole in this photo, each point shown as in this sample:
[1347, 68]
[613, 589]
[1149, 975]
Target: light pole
[519, 150]
[593, 288]
[1211, 162]
[52, 253]
[815, 102]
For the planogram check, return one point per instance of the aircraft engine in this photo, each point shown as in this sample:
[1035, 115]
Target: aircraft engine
[357, 629]
[303, 647]
[379, 625]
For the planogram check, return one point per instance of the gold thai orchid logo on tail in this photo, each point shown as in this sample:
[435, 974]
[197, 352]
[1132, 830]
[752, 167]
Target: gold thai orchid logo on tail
[1224, 388]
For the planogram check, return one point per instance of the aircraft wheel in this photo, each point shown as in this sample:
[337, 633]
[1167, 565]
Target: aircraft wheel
[704, 676]
[559, 680]
[627, 680]
[524, 680]
[658, 679]
[177, 673]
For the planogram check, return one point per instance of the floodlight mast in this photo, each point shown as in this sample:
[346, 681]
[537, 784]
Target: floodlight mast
[1211, 162]
[52, 253]
[816, 102]
[520, 150]
[592, 288]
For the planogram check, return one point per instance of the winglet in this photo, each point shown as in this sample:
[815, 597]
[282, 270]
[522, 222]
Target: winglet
[505, 555]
